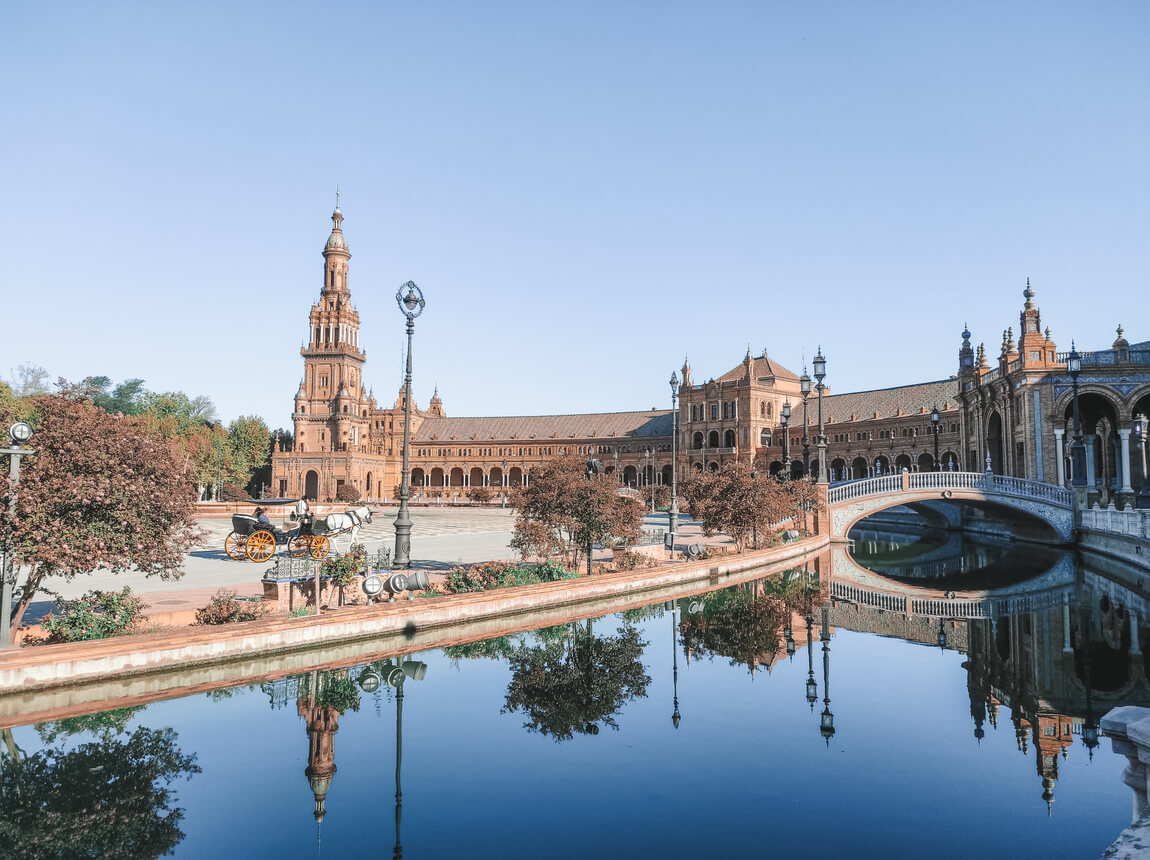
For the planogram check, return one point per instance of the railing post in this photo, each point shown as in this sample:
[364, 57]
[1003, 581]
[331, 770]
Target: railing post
[905, 479]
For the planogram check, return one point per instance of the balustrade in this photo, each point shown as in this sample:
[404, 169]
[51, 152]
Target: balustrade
[1128, 522]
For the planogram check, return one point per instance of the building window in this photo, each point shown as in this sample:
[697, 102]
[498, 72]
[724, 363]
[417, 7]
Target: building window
[714, 411]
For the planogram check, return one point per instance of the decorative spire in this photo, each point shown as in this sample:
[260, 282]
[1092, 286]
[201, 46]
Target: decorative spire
[1047, 332]
[1028, 294]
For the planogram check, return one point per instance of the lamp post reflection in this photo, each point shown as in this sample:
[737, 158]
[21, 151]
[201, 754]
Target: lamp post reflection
[827, 719]
[812, 686]
[675, 663]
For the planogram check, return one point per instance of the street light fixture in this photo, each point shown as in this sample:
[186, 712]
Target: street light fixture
[786, 419]
[1141, 430]
[18, 433]
[805, 388]
[673, 512]
[826, 719]
[820, 364]
[411, 304]
[1077, 448]
[935, 420]
[592, 471]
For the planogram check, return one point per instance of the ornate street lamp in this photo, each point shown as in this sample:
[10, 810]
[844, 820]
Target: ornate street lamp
[592, 471]
[1141, 430]
[411, 304]
[786, 419]
[941, 634]
[673, 513]
[820, 364]
[1077, 448]
[19, 433]
[935, 420]
[805, 388]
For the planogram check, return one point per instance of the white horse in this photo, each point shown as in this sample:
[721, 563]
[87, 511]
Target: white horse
[351, 519]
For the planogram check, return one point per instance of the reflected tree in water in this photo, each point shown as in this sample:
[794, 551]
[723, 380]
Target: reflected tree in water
[744, 624]
[568, 686]
[105, 798]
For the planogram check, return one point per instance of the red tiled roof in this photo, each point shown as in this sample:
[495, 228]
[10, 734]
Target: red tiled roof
[597, 425]
[917, 399]
[761, 367]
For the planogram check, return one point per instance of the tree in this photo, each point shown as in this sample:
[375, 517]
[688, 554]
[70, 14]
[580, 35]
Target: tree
[736, 501]
[569, 687]
[249, 441]
[127, 398]
[100, 492]
[480, 495]
[104, 798]
[28, 380]
[561, 511]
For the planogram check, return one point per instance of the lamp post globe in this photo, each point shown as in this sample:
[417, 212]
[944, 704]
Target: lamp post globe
[20, 432]
[409, 298]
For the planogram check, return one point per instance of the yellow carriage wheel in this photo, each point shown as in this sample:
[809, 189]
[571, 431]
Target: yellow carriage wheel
[300, 547]
[234, 546]
[319, 546]
[261, 545]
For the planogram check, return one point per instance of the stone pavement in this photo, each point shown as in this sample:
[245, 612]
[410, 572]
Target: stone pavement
[442, 538]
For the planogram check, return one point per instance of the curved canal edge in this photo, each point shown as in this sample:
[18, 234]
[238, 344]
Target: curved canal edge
[154, 666]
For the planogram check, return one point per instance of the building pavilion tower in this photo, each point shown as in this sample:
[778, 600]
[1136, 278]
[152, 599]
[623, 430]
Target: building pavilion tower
[330, 413]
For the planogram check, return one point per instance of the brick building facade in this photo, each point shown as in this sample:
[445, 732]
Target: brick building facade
[1017, 411]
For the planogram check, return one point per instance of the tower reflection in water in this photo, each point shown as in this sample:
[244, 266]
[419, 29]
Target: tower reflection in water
[322, 697]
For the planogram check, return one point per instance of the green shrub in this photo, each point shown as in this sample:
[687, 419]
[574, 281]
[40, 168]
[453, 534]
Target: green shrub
[96, 615]
[347, 493]
[300, 612]
[626, 559]
[500, 574]
[342, 569]
[226, 608]
[233, 493]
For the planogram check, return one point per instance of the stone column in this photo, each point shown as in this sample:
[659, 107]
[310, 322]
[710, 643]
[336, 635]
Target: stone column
[1058, 434]
[1124, 437]
[1066, 647]
[1135, 646]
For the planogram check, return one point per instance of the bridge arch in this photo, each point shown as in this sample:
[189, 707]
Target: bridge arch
[1031, 500]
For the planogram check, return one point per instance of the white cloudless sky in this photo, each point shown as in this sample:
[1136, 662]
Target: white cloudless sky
[585, 192]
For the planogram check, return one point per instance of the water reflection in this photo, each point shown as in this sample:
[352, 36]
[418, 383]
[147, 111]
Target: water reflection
[900, 545]
[520, 715]
[110, 796]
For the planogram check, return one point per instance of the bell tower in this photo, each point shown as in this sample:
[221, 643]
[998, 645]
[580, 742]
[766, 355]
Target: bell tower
[330, 415]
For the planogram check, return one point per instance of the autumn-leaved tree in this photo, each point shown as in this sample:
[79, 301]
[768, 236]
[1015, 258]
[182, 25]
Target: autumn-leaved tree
[101, 492]
[561, 511]
[735, 501]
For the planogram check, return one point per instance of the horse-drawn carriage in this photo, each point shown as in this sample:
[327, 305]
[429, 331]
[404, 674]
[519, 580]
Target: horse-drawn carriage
[314, 537]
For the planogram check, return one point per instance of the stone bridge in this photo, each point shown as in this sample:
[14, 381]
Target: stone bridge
[1053, 505]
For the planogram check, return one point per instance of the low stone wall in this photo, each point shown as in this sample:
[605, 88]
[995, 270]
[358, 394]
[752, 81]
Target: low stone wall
[1128, 728]
[123, 658]
[1127, 548]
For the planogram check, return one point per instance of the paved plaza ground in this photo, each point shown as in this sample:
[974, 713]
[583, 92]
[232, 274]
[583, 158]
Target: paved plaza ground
[441, 538]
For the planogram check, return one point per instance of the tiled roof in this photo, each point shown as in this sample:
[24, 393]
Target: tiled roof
[761, 366]
[911, 399]
[597, 425]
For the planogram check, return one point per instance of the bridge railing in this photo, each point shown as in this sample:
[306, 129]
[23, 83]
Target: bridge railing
[1130, 522]
[890, 484]
[870, 487]
[947, 481]
[1034, 490]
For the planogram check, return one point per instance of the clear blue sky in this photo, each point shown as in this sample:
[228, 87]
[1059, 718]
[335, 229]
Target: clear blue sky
[585, 192]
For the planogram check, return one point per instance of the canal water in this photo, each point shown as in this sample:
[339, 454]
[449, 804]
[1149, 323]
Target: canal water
[684, 729]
